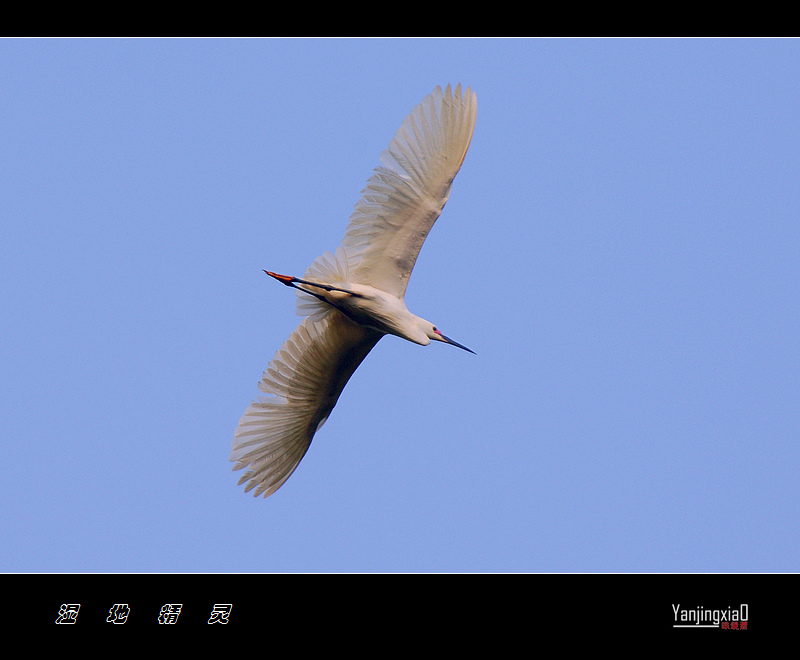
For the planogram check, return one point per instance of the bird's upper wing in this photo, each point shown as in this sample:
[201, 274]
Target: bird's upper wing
[406, 193]
[307, 375]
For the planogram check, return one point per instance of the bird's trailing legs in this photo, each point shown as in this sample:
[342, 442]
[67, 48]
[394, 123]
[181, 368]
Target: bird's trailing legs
[289, 280]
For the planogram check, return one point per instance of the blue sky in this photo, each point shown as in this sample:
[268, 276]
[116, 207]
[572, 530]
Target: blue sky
[620, 249]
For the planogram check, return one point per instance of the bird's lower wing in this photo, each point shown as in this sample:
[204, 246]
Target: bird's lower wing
[305, 377]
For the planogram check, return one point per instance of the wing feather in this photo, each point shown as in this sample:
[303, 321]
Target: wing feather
[408, 190]
[305, 379]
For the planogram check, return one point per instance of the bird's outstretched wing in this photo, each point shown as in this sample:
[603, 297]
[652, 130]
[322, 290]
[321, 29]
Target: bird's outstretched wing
[408, 190]
[306, 377]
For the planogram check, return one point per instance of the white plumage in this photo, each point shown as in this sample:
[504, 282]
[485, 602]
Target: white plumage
[352, 298]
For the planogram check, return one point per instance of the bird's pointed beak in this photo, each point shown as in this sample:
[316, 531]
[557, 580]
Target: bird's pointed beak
[447, 340]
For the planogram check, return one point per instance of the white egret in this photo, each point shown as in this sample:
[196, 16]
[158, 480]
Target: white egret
[356, 296]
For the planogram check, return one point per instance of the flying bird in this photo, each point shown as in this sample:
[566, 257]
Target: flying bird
[355, 296]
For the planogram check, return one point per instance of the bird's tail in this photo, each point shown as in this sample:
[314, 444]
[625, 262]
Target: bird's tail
[328, 268]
